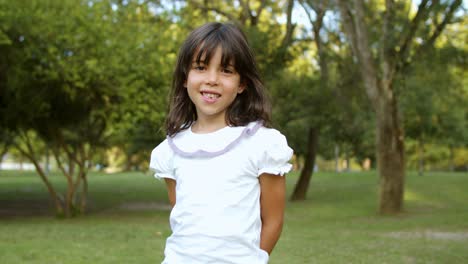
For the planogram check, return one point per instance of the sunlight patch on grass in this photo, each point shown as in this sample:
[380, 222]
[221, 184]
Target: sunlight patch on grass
[413, 196]
[430, 234]
[417, 199]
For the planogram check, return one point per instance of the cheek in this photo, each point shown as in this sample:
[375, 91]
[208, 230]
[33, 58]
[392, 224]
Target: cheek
[191, 92]
[234, 95]
[193, 80]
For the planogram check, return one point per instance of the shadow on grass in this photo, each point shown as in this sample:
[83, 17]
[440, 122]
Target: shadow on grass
[16, 208]
[23, 194]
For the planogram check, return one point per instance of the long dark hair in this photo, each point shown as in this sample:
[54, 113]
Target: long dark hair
[251, 105]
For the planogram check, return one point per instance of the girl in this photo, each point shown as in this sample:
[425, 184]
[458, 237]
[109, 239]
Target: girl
[221, 163]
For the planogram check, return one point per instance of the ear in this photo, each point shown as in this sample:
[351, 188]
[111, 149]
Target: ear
[241, 88]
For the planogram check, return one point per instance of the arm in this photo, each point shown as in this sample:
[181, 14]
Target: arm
[171, 191]
[272, 204]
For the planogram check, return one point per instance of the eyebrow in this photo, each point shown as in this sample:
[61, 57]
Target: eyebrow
[204, 62]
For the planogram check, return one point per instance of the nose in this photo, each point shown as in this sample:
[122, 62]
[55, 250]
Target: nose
[212, 77]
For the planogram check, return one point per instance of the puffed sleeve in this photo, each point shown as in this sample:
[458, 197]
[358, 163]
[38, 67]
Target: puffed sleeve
[275, 153]
[162, 161]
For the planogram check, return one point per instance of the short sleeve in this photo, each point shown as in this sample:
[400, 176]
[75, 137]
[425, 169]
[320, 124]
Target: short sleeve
[275, 153]
[162, 161]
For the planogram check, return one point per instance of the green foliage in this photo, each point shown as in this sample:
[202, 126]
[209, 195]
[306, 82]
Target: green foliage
[433, 101]
[299, 103]
[56, 76]
[99, 72]
[437, 157]
[143, 76]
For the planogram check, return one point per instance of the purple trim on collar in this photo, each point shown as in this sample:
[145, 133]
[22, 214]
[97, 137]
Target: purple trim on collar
[247, 132]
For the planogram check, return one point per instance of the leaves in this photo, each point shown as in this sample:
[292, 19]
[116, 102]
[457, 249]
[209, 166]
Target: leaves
[114, 59]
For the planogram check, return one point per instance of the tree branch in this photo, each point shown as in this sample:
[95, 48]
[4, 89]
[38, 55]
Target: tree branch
[388, 46]
[438, 30]
[246, 11]
[215, 9]
[357, 34]
[59, 162]
[260, 8]
[29, 153]
[348, 25]
[316, 28]
[406, 42]
[82, 170]
[440, 27]
[289, 26]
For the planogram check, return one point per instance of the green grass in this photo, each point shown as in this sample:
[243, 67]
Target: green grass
[128, 221]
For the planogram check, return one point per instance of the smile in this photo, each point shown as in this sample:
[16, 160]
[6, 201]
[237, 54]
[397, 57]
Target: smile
[210, 96]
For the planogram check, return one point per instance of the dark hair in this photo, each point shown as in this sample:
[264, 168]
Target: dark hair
[250, 105]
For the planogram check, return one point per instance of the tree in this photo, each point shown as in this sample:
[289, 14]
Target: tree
[147, 55]
[303, 182]
[433, 103]
[336, 110]
[379, 69]
[60, 86]
[303, 110]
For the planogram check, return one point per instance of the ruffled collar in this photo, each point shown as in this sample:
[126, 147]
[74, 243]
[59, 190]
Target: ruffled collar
[248, 131]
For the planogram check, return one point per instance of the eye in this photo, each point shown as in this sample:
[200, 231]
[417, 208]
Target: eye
[228, 70]
[198, 67]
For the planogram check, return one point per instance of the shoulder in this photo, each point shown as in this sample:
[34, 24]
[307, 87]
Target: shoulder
[272, 153]
[161, 161]
[162, 155]
[270, 132]
[162, 149]
[266, 135]
[167, 146]
[269, 140]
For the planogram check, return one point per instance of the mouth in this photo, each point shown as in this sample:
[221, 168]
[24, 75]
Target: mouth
[210, 96]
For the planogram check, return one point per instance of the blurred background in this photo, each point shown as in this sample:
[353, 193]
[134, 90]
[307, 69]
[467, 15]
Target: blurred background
[84, 84]
[371, 94]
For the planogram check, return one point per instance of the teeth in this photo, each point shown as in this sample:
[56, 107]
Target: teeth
[210, 95]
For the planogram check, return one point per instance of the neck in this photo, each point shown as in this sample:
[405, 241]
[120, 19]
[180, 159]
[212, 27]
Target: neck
[207, 125]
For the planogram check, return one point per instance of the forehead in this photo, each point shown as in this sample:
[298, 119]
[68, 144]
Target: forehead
[205, 51]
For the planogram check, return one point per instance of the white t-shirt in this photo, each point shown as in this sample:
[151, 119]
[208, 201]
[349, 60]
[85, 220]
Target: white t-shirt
[216, 218]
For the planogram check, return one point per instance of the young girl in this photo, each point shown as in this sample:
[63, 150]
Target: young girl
[221, 163]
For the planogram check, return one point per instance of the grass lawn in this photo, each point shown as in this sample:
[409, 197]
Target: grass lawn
[128, 221]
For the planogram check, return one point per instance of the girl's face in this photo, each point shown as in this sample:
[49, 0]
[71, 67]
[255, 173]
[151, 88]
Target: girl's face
[212, 87]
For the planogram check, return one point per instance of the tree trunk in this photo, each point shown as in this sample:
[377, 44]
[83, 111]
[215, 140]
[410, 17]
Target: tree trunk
[302, 185]
[421, 158]
[1, 160]
[47, 162]
[337, 158]
[84, 167]
[30, 154]
[348, 162]
[128, 162]
[378, 70]
[451, 158]
[69, 201]
[379, 89]
[84, 194]
[2, 154]
[59, 210]
[68, 170]
[390, 156]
